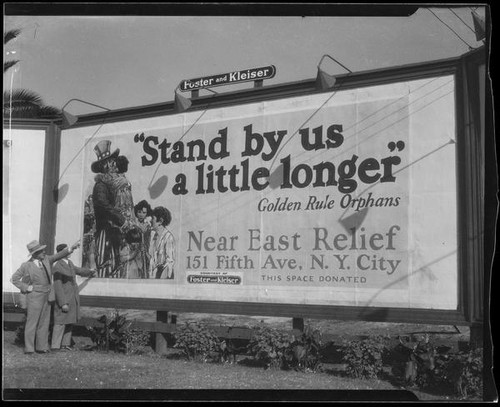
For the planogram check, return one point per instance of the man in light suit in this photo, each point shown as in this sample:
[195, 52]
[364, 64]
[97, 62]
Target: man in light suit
[67, 304]
[34, 278]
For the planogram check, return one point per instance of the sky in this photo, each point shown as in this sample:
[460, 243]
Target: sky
[128, 61]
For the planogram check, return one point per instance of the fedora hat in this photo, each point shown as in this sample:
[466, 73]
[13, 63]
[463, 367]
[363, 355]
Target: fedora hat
[61, 247]
[103, 152]
[34, 247]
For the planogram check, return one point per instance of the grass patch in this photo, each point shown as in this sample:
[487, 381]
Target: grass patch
[99, 370]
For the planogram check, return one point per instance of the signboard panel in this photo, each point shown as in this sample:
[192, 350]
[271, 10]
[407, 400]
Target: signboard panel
[253, 74]
[339, 198]
[23, 161]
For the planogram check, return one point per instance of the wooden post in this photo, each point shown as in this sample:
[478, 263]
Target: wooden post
[50, 196]
[476, 336]
[106, 333]
[160, 338]
[258, 83]
[298, 323]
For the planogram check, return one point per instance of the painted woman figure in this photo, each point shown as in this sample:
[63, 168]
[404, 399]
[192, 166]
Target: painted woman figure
[88, 241]
[122, 190]
[161, 246]
[143, 221]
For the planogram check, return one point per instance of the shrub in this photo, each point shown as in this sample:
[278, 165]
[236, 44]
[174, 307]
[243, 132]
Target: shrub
[197, 342]
[464, 372]
[304, 353]
[113, 335]
[269, 347]
[137, 341]
[414, 362]
[364, 357]
[229, 348]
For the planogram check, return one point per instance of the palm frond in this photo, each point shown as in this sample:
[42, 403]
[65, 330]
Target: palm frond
[10, 35]
[9, 64]
[23, 112]
[49, 112]
[31, 112]
[22, 97]
[23, 103]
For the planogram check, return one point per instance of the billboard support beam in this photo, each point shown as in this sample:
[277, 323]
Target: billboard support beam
[476, 335]
[161, 343]
[298, 323]
[258, 84]
[48, 214]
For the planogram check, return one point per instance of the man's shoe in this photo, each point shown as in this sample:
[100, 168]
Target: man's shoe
[29, 353]
[55, 349]
[43, 351]
[66, 348]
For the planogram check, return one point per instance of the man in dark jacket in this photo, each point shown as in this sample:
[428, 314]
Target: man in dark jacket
[34, 278]
[67, 304]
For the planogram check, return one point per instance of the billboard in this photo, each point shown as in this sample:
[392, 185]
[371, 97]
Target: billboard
[341, 198]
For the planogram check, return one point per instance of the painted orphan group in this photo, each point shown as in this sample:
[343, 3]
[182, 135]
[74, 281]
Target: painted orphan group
[123, 239]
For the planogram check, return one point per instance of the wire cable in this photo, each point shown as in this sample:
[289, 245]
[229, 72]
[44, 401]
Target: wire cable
[78, 153]
[451, 29]
[468, 26]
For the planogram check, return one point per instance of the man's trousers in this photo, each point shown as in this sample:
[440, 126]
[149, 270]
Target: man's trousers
[36, 331]
[61, 335]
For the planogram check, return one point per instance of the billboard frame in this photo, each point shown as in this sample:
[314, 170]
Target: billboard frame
[48, 214]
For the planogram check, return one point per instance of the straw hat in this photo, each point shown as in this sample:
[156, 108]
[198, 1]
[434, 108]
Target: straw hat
[35, 247]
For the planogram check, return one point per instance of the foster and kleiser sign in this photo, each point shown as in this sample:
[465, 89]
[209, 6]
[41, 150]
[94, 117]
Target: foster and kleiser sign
[246, 75]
